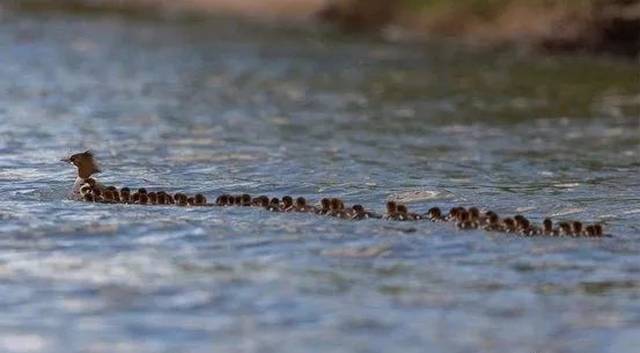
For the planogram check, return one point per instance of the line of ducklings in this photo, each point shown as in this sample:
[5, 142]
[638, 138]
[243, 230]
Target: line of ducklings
[465, 219]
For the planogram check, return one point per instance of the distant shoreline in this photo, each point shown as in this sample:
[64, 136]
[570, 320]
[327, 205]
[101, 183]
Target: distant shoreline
[572, 26]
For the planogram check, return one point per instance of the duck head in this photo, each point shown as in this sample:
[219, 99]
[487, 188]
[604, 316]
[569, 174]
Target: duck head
[84, 162]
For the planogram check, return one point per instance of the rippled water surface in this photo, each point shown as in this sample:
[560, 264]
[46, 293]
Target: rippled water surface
[218, 106]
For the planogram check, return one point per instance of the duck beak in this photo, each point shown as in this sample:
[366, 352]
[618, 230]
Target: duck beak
[67, 160]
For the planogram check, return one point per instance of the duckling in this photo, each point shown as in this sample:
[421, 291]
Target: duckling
[264, 201]
[88, 197]
[492, 222]
[301, 205]
[463, 220]
[97, 194]
[168, 198]
[237, 200]
[258, 201]
[392, 210]
[153, 198]
[474, 214]
[358, 212]
[508, 225]
[116, 196]
[85, 189]
[108, 196]
[522, 224]
[162, 198]
[200, 199]
[274, 205]
[547, 227]
[177, 197]
[191, 201]
[142, 191]
[403, 213]
[485, 218]
[135, 198]
[462, 215]
[143, 199]
[222, 200]
[183, 200]
[86, 167]
[287, 203]
[92, 182]
[325, 207]
[434, 214]
[454, 214]
[576, 228]
[337, 209]
[245, 200]
[564, 228]
[598, 231]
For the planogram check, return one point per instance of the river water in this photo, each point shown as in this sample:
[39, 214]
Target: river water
[218, 106]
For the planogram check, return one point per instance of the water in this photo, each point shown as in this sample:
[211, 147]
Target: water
[221, 106]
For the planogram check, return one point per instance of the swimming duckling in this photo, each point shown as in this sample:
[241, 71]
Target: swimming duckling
[454, 214]
[337, 208]
[125, 194]
[564, 228]
[116, 197]
[264, 201]
[168, 199]
[358, 212]
[484, 218]
[142, 191]
[325, 207]
[434, 214]
[594, 230]
[143, 198]
[183, 200]
[135, 198]
[463, 220]
[200, 200]
[245, 200]
[178, 196]
[191, 201]
[474, 214]
[222, 200]
[108, 196]
[258, 201]
[404, 214]
[86, 167]
[153, 198]
[85, 189]
[598, 231]
[547, 227]
[91, 182]
[287, 203]
[162, 198]
[301, 205]
[392, 210]
[522, 224]
[576, 228]
[492, 222]
[274, 205]
[97, 194]
[508, 225]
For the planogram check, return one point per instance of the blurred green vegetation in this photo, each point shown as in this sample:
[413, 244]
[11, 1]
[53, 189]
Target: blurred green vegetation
[602, 26]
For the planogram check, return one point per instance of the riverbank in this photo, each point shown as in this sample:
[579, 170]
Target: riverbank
[575, 26]
[596, 26]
